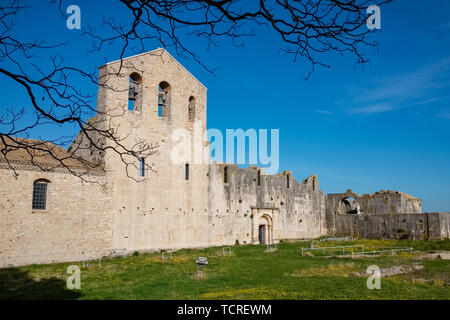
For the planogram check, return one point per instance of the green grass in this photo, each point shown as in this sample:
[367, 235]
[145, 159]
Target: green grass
[249, 273]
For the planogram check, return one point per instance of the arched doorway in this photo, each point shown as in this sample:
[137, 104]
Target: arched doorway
[265, 230]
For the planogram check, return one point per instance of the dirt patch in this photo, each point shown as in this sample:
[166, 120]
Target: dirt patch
[392, 271]
[445, 255]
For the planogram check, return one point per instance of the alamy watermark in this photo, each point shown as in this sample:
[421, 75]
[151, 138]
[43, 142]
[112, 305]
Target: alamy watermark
[374, 280]
[204, 146]
[374, 20]
[74, 20]
[74, 280]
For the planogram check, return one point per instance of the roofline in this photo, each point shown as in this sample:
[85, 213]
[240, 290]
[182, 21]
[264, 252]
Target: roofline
[148, 52]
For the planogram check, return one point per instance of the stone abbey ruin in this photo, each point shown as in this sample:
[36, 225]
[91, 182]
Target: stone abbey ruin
[53, 215]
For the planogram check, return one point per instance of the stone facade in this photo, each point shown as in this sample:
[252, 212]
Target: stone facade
[76, 223]
[381, 202]
[426, 226]
[239, 206]
[167, 208]
[384, 214]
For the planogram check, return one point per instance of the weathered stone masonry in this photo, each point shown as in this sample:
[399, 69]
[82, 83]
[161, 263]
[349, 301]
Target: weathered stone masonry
[76, 223]
[219, 204]
[384, 214]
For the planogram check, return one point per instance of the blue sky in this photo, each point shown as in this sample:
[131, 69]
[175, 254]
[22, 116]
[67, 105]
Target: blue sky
[384, 125]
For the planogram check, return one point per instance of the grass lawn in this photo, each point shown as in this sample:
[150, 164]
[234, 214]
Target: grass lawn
[249, 273]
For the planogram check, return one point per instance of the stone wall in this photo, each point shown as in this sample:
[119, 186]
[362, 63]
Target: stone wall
[439, 225]
[445, 225]
[388, 226]
[381, 202]
[426, 226]
[349, 203]
[76, 223]
[384, 214]
[83, 148]
[238, 205]
[390, 202]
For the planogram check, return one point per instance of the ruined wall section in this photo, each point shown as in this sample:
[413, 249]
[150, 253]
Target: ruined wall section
[297, 211]
[91, 148]
[424, 226]
[445, 224]
[439, 225]
[379, 226]
[384, 214]
[339, 205]
[98, 125]
[381, 202]
[390, 202]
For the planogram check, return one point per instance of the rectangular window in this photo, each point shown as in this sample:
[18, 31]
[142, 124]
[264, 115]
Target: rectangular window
[39, 196]
[142, 167]
[186, 172]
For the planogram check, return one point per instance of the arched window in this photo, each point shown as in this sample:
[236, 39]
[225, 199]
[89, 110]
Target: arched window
[225, 174]
[191, 109]
[163, 99]
[40, 188]
[134, 92]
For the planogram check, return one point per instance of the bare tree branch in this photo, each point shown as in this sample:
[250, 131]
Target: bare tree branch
[307, 29]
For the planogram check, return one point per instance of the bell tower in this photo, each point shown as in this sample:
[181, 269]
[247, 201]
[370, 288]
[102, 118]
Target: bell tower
[156, 203]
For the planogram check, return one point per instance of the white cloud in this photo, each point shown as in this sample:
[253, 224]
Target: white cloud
[445, 114]
[327, 112]
[371, 109]
[418, 87]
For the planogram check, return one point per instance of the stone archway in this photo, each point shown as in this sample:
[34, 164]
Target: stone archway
[263, 228]
[350, 205]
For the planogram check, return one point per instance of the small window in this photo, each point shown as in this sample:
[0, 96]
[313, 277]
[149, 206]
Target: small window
[39, 195]
[259, 177]
[287, 181]
[186, 172]
[225, 174]
[142, 167]
[191, 109]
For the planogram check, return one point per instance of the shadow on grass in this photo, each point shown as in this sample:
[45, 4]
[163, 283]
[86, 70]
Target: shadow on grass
[19, 285]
